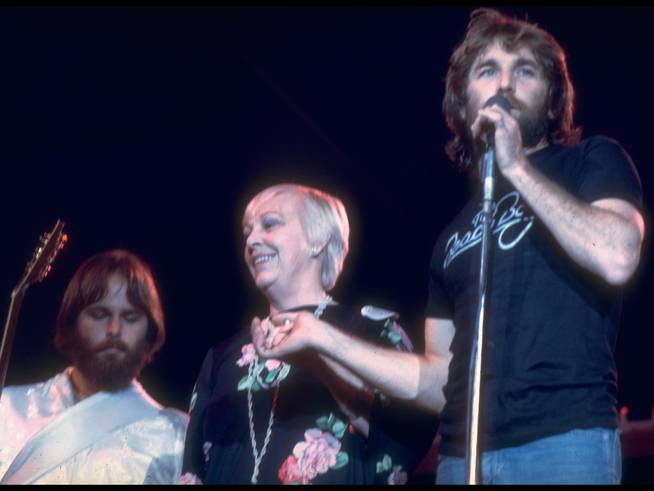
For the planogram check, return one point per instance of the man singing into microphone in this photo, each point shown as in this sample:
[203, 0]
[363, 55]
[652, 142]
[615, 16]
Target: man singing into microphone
[566, 235]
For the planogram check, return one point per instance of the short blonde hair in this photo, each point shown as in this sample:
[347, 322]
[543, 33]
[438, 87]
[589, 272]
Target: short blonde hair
[324, 221]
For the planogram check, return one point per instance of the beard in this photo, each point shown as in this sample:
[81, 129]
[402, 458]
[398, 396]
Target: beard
[533, 123]
[109, 370]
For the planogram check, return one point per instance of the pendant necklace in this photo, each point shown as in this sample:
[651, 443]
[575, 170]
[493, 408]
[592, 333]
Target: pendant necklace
[258, 456]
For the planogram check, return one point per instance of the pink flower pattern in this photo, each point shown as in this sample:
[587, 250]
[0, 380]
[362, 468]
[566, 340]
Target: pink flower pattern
[247, 354]
[397, 476]
[271, 364]
[190, 478]
[276, 370]
[289, 472]
[316, 455]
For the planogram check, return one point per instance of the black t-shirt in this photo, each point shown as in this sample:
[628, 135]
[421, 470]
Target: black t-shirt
[550, 327]
[311, 441]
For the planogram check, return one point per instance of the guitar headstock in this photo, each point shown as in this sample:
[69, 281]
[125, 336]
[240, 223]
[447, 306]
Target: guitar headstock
[44, 255]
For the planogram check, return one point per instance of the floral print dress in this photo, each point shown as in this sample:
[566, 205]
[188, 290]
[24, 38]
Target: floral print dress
[311, 441]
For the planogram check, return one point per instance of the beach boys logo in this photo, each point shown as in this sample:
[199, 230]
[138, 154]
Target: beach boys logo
[509, 224]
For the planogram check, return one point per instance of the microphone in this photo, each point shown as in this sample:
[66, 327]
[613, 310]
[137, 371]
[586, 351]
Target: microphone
[487, 179]
[489, 128]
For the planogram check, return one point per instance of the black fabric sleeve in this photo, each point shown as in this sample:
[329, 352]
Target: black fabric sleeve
[438, 305]
[400, 434]
[607, 171]
[193, 462]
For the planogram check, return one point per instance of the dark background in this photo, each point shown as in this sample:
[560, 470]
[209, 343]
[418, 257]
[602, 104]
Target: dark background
[150, 129]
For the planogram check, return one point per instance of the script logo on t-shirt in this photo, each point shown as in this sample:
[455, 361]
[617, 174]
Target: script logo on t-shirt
[509, 225]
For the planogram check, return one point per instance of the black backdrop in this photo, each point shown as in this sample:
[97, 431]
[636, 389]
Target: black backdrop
[149, 128]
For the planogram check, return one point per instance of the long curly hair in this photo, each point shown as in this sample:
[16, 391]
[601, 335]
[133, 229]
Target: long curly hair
[487, 26]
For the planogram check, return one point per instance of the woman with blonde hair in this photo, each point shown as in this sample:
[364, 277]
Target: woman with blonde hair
[304, 419]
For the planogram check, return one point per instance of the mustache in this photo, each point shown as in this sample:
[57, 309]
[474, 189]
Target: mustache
[116, 344]
[515, 104]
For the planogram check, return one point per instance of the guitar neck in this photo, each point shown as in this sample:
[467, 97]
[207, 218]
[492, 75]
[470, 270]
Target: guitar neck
[37, 269]
[9, 333]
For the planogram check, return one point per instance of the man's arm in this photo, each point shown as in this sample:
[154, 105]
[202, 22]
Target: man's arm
[603, 237]
[408, 376]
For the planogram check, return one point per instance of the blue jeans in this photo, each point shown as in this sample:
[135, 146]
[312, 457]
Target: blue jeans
[590, 456]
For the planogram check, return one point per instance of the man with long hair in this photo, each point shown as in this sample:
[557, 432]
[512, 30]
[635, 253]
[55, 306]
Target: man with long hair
[94, 423]
[566, 235]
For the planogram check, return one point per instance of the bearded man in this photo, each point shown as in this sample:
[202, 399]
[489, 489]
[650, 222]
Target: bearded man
[94, 423]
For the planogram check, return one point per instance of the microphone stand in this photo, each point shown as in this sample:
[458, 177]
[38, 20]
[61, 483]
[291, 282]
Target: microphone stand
[474, 375]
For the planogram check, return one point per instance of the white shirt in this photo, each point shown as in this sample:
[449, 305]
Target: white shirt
[147, 451]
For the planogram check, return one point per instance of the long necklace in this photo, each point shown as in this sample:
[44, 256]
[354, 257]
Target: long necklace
[258, 456]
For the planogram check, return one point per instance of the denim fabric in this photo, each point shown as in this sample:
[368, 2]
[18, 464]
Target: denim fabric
[591, 456]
